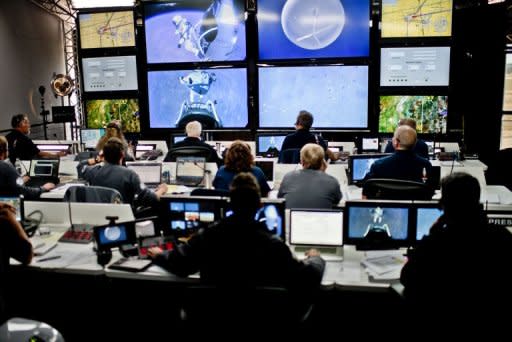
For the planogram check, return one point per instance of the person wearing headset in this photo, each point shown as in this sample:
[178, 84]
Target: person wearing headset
[20, 145]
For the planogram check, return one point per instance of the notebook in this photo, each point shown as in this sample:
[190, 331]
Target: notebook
[149, 173]
[43, 171]
[190, 170]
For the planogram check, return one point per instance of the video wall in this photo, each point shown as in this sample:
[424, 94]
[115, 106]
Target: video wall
[232, 67]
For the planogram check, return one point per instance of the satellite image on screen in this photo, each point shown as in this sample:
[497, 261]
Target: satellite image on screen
[106, 30]
[101, 112]
[430, 112]
[413, 18]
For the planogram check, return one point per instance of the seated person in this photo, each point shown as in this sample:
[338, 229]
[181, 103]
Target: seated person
[20, 145]
[193, 139]
[310, 187]
[421, 148]
[113, 130]
[112, 174]
[14, 243]
[303, 136]
[11, 184]
[403, 163]
[240, 250]
[239, 159]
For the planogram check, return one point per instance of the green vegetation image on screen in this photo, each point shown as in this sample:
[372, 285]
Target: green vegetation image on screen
[429, 112]
[101, 112]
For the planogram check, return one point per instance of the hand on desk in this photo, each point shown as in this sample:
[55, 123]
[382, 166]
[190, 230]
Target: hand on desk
[48, 186]
[153, 252]
[312, 252]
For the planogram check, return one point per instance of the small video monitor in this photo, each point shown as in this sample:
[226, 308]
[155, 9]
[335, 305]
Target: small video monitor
[386, 220]
[114, 235]
[91, 136]
[425, 215]
[176, 138]
[316, 227]
[266, 165]
[16, 202]
[269, 145]
[142, 149]
[184, 215]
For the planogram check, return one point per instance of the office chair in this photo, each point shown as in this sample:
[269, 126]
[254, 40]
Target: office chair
[190, 151]
[254, 306]
[21, 329]
[289, 156]
[396, 189]
[500, 169]
[209, 192]
[92, 194]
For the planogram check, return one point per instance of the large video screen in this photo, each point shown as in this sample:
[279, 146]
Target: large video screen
[415, 66]
[100, 112]
[110, 73]
[215, 97]
[313, 29]
[195, 31]
[337, 96]
[413, 18]
[430, 112]
[106, 29]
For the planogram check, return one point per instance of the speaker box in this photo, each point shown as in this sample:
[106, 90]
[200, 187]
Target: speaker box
[63, 114]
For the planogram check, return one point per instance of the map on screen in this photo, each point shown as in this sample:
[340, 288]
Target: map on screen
[106, 30]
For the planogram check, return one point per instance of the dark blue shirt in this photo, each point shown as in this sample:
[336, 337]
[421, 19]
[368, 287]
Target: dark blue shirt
[405, 165]
[421, 148]
[224, 177]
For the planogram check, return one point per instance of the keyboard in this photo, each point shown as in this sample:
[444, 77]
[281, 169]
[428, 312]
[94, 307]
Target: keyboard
[79, 233]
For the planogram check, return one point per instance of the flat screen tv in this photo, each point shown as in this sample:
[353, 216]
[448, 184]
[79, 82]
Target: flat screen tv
[215, 97]
[111, 29]
[430, 112]
[195, 31]
[413, 18]
[415, 66]
[507, 91]
[313, 29]
[336, 95]
[100, 112]
[109, 73]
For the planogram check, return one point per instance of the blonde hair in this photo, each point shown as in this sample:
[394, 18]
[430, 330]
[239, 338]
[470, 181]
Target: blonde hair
[312, 156]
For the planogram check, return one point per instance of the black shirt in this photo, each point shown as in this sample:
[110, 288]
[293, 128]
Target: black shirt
[192, 142]
[21, 146]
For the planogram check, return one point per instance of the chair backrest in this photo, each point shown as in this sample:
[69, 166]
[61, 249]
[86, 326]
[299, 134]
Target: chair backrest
[190, 151]
[396, 189]
[92, 194]
[23, 329]
[247, 306]
[289, 156]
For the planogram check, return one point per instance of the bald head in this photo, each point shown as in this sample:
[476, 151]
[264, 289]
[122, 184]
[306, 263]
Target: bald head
[193, 129]
[404, 138]
[407, 122]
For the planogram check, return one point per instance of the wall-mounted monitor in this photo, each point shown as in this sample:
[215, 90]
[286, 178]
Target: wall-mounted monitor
[111, 29]
[195, 31]
[313, 29]
[415, 66]
[110, 73]
[100, 112]
[507, 91]
[430, 112]
[215, 97]
[336, 95]
[413, 18]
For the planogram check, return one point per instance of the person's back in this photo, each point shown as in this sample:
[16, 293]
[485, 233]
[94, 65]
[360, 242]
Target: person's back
[404, 163]
[310, 187]
[420, 148]
[462, 268]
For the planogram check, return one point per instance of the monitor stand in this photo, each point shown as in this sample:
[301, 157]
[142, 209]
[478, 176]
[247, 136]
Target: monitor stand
[328, 253]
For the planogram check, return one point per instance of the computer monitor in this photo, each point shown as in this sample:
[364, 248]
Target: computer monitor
[267, 166]
[91, 136]
[316, 227]
[17, 203]
[269, 145]
[176, 138]
[359, 165]
[142, 149]
[184, 215]
[369, 145]
[385, 222]
[424, 216]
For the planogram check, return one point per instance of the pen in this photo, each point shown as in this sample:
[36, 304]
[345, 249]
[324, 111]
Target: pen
[49, 258]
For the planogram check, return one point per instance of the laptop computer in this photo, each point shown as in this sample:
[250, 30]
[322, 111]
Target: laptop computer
[43, 171]
[190, 171]
[149, 173]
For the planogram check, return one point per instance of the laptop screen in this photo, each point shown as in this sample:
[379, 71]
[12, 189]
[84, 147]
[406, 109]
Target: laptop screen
[44, 168]
[140, 149]
[149, 173]
[190, 170]
[267, 166]
[426, 216]
[316, 227]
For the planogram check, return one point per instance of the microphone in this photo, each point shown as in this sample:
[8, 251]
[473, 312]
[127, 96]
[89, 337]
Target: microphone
[42, 90]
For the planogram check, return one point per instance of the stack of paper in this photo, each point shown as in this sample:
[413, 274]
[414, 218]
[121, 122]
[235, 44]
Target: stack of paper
[384, 266]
